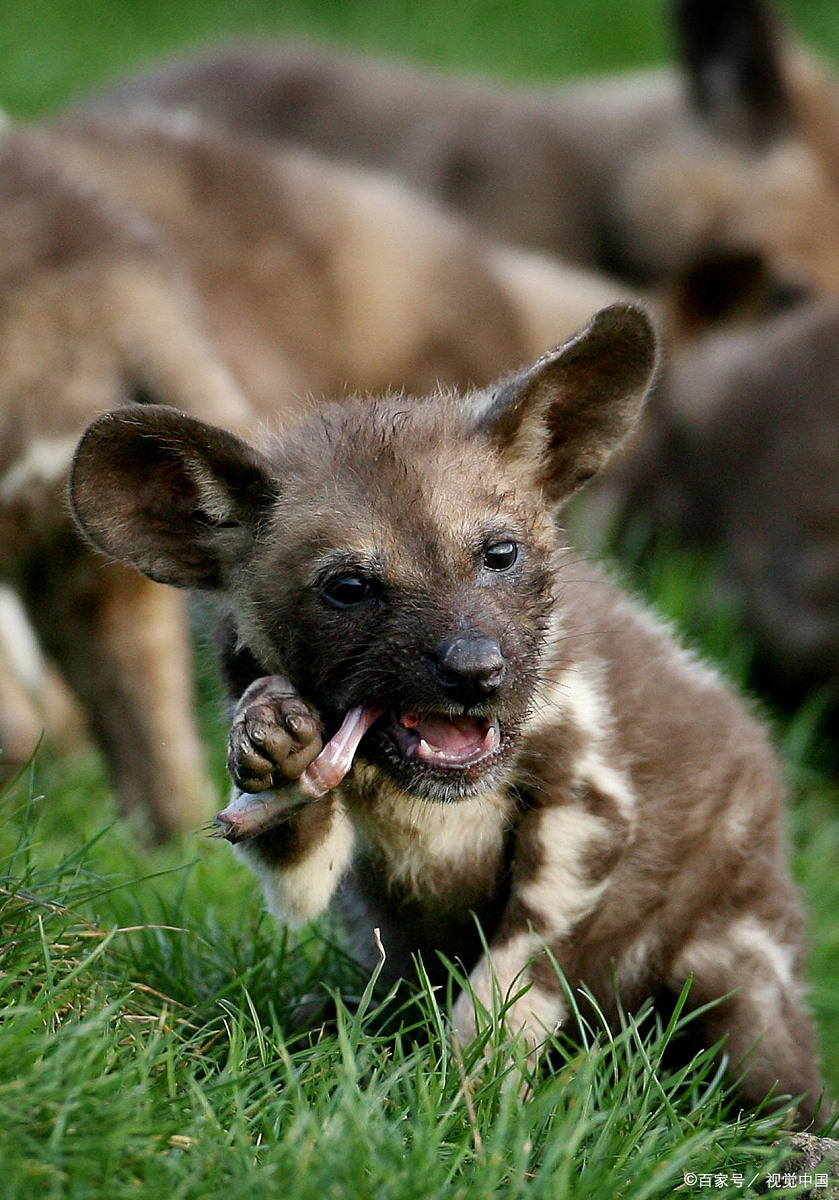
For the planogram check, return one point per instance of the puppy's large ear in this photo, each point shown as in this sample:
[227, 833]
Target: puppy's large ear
[559, 421]
[732, 53]
[177, 498]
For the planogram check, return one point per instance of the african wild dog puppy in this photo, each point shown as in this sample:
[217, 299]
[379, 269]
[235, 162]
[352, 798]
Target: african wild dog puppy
[165, 261]
[505, 734]
[729, 164]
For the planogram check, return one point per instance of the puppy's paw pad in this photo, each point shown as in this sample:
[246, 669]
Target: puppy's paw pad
[274, 736]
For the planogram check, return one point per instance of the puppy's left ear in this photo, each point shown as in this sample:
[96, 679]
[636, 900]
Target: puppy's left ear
[559, 421]
[177, 498]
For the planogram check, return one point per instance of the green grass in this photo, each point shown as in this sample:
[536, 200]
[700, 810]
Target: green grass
[147, 1043]
[147, 1049]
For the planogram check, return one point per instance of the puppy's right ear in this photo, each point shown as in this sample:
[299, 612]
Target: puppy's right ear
[558, 422]
[177, 498]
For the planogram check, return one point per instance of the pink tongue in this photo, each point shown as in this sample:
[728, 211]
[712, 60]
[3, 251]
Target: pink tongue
[335, 759]
[455, 735]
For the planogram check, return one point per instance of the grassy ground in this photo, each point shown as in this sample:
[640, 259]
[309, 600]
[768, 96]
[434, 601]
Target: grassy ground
[150, 1058]
[146, 1045]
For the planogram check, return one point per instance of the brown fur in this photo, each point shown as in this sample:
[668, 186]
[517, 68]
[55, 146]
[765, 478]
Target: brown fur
[166, 261]
[736, 154]
[630, 818]
[311, 278]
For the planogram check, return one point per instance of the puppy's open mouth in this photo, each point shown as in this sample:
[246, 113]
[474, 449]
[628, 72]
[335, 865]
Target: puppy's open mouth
[454, 752]
[449, 749]
[453, 743]
[457, 747]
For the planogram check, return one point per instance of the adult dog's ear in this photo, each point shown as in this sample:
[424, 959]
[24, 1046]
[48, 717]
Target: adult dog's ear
[732, 53]
[559, 421]
[177, 498]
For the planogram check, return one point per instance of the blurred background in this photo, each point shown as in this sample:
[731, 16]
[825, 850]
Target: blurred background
[199, 934]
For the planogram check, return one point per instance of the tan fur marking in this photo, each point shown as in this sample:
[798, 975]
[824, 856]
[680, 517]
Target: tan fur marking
[746, 937]
[500, 976]
[298, 892]
[433, 848]
[575, 697]
[560, 895]
[18, 644]
[560, 891]
[742, 816]
[142, 629]
[633, 963]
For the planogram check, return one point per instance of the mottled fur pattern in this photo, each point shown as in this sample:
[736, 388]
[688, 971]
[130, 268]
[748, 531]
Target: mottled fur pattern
[163, 261]
[735, 154]
[628, 819]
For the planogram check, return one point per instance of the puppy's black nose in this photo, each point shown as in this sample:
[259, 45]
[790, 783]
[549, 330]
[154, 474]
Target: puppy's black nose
[470, 667]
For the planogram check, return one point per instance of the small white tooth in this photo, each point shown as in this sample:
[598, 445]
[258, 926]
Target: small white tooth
[431, 752]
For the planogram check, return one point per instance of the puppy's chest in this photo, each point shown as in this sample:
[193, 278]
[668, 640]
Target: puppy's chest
[444, 856]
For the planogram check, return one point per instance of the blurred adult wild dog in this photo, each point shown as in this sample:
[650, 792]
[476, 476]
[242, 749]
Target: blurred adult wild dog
[728, 165]
[161, 260]
[742, 460]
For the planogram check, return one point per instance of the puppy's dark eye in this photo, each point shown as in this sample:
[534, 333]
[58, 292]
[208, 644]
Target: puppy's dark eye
[346, 590]
[501, 556]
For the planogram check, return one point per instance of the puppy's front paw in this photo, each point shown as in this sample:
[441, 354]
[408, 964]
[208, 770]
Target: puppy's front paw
[274, 736]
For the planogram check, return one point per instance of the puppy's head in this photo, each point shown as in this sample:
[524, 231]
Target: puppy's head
[392, 554]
